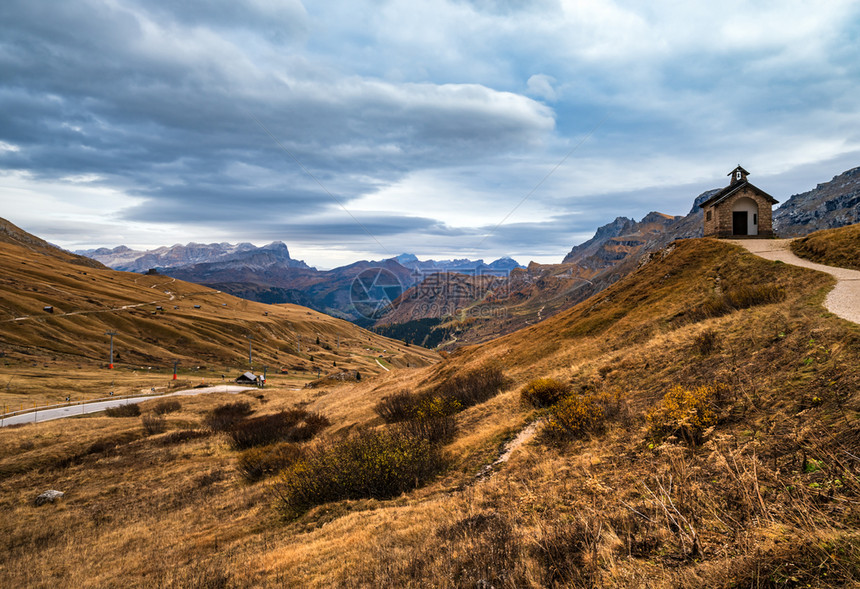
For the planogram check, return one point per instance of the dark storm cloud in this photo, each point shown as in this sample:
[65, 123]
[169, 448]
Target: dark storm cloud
[164, 100]
[202, 112]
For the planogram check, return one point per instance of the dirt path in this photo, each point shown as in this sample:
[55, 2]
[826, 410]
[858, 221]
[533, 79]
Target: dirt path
[843, 300]
[526, 434]
[109, 310]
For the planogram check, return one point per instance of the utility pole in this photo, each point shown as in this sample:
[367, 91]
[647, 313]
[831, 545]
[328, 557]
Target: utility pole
[250, 351]
[111, 334]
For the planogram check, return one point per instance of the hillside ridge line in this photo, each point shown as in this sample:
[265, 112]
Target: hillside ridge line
[843, 301]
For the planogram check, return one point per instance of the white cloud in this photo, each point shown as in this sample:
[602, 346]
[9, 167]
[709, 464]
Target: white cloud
[541, 85]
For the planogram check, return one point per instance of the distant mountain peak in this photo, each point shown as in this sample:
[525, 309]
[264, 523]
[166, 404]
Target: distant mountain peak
[277, 246]
[459, 265]
[178, 256]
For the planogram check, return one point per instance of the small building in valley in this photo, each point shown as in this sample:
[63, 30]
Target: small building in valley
[739, 210]
[249, 378]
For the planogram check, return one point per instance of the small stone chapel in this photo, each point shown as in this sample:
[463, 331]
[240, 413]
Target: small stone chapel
[739, 210]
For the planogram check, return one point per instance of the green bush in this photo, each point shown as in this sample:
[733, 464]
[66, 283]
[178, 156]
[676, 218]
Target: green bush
[130, 410]
[544, 392]
[293, 425]
[372, 464]
[257, 463]
[223, 417]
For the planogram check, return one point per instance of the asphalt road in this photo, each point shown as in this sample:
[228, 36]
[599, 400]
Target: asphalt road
[85, 408]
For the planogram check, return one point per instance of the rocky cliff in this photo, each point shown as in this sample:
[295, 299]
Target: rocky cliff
[827, 206]
[129, 260]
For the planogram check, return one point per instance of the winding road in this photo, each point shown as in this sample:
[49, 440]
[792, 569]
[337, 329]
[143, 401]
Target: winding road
[50, 414]
[843, 301]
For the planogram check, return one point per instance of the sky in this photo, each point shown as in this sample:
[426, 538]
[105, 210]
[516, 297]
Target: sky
[362, 129]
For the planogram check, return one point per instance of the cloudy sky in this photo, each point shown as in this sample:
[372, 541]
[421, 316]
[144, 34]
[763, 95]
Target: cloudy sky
[366, 128]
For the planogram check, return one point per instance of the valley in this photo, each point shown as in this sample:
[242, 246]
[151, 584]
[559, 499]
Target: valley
[448, 304]
[57, 309]
[761, 484]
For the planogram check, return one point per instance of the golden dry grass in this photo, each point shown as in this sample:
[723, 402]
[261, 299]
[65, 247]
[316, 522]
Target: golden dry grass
[768, 499]
[45, 357]
[834, 247]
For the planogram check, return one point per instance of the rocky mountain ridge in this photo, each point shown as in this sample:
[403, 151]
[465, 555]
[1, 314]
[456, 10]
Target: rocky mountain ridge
[178, 255]
[478, 301]
[827, 206]
[500, 267]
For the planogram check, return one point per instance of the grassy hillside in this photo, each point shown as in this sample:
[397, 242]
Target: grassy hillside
[46, 356]
[834, 247]
[746, 475]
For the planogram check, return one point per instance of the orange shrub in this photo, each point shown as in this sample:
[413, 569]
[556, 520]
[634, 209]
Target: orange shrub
[685, 413]
[544, 392]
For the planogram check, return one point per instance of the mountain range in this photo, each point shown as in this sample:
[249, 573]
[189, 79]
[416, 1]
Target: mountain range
[57, 307]
[446, 317]
[465, 301]
[268, 274]
[176, 256]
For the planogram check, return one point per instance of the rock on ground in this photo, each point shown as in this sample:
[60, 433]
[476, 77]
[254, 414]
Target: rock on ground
[48, 497]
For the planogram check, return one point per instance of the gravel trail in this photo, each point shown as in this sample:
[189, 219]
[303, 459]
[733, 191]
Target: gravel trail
[843, 300]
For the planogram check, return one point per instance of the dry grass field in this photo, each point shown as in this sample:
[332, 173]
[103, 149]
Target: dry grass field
[834, 247]
[719, 450]
[48, 356]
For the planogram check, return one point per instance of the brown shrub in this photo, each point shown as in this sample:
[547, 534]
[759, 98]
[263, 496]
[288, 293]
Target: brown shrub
[372, 464]
[685, 413]
[183, 435]
[293, 425]
[474, 386]
[575, 417]
[257, 463]
[153, 424]
[706, 342]
[567, 552]
[129, 410]
[397, 407]
[223, 417]
[544, 392]
[167, 406]
[741, 297]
